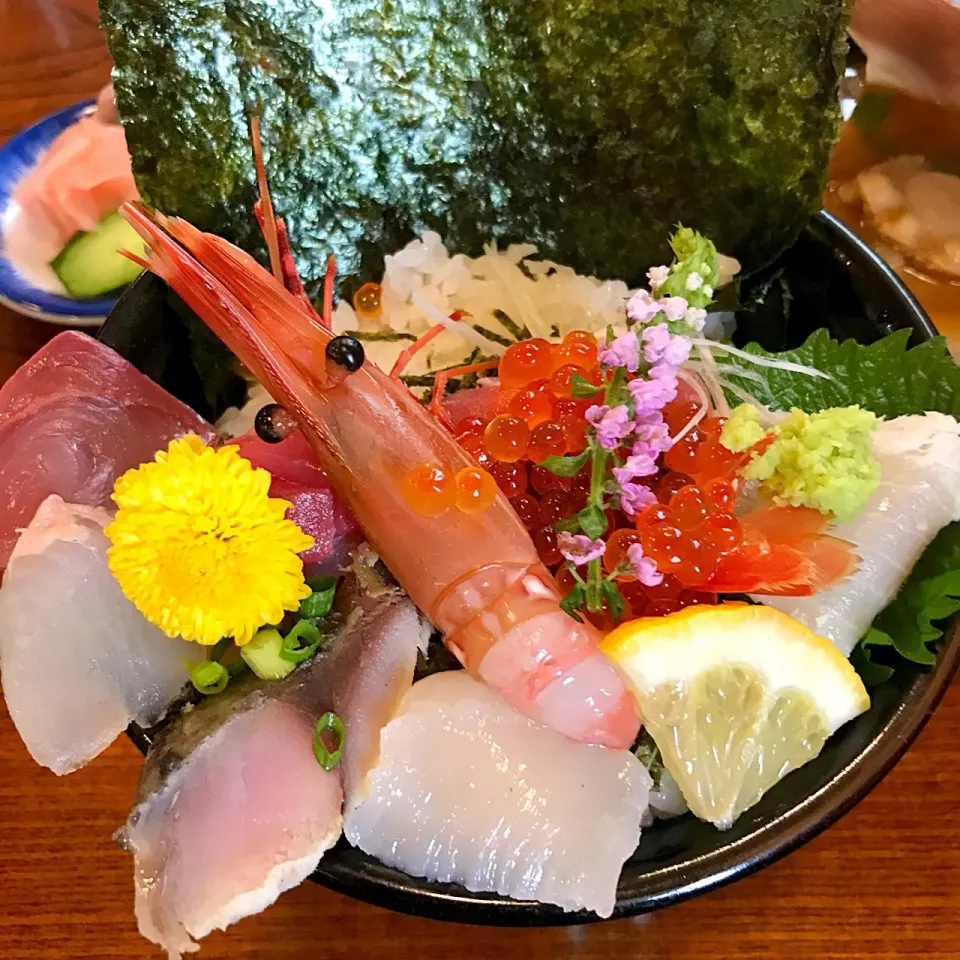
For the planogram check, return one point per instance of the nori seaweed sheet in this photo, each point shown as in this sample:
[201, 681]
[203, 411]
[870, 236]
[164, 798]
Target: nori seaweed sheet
[589, 127]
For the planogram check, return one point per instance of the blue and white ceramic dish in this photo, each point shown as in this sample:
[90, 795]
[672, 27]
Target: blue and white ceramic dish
[23, 285]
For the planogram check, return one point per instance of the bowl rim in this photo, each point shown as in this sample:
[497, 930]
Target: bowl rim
[18, 155]
[349, 871]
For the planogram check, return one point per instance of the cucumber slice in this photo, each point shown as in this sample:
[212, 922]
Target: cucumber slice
[89, 265]
[262, 655]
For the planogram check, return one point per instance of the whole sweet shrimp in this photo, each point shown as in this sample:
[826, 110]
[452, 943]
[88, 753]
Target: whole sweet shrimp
[476, 575]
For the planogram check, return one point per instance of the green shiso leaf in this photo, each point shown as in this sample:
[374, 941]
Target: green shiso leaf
[588, 129]
[913, 624]
[648, 753]
[885, 377]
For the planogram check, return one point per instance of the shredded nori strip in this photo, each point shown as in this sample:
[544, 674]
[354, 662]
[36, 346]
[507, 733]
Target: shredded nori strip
[383, 336]
[518, 332]
[490, 335]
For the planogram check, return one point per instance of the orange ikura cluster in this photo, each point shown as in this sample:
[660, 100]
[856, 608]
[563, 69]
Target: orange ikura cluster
[432, 490]
[693, 527]
[542, 420]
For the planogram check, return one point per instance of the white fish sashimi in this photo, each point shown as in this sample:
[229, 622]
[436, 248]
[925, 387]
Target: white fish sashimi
[78, 660]
[468, 790]
[919, 494]
[233, 807]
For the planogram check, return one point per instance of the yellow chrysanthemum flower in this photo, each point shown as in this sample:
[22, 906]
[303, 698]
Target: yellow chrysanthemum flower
[199, 546]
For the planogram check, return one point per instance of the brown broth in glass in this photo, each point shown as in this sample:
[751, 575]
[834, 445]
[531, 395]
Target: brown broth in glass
[889, 124]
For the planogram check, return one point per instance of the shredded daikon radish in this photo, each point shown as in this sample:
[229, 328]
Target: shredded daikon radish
[463, 329]
[762, 361]
[694, 381]
[711, 378]
[734, 369]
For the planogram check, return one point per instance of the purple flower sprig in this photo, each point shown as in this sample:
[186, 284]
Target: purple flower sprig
[578, 548]
[627, 415]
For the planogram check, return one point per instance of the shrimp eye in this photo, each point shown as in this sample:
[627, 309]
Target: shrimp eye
[273, 423]
[346, 352]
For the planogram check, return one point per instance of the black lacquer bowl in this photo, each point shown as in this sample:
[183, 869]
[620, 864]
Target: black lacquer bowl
[829, 278]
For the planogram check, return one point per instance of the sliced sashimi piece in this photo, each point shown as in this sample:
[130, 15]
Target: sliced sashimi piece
[233, 807]
[250, 817]
[73, 418]
[919, 494]
[317, 510]
[467, 790]
[485, 402]
[78, 660]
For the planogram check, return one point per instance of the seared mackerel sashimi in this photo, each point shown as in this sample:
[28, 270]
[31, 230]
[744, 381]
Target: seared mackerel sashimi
[233, 807]
[79, 661]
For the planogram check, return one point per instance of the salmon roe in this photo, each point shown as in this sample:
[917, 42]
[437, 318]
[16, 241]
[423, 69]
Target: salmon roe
[511, 478]
[525, 362]
[430, 489]
[547, 440]
[687, 532]
[475, 489]
[534, 403]
[578, 348]
[367, 302]
[618, 543]
[507, 438]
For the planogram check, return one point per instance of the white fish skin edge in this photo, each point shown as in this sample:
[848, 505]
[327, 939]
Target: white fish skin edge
[468, 790]
[919, 494]
[79, 661]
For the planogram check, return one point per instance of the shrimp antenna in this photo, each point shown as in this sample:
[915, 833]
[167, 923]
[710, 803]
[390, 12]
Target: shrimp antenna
[274, 231]
[265, 213]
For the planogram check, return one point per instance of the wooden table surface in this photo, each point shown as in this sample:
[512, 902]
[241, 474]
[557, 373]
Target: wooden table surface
[884, 882]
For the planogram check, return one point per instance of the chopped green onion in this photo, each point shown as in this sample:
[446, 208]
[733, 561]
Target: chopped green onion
[263, 655]
[329, 722]
[292, 651]
[220, 648]
[319, 602]
[210, 677]
[237, 667]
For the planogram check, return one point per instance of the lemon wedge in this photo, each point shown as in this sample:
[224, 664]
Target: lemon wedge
[735, 696]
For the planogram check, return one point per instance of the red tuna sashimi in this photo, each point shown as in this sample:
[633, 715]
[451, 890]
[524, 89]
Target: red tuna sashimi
[73, 418]
[484, 402]
[317, 510]
[85, 174]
